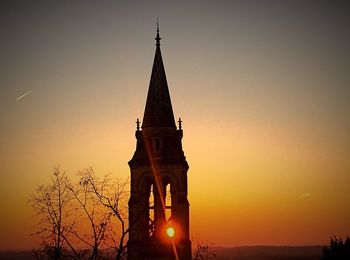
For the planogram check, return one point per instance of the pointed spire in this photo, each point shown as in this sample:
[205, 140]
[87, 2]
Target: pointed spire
[158, 110]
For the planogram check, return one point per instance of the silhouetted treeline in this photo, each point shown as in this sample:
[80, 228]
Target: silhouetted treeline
[338, 249]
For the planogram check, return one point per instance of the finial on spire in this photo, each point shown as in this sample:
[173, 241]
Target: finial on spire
[180, 123]
[138, 125]
[157, 25]
[157, 37]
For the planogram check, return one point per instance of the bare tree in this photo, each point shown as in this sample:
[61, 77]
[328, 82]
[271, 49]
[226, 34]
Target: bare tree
[79, 220]
[112, 194]
[93, 215]
[53, 205]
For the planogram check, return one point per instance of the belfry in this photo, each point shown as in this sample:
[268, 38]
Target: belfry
[158, 205]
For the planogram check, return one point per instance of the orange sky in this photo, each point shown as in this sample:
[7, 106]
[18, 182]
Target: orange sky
[262, 89]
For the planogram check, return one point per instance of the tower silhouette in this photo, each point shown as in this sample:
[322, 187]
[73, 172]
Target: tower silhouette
[158, 205]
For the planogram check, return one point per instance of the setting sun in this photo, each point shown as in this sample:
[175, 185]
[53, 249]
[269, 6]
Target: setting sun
[170, 231]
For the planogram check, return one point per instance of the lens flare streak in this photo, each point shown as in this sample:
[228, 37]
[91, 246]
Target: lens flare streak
[156, 174]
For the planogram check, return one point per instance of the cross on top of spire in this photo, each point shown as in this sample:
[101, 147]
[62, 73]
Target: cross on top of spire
[157, 37]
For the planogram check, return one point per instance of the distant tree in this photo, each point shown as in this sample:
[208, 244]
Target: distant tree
[202, 252]
[53, 205]
[338, 249]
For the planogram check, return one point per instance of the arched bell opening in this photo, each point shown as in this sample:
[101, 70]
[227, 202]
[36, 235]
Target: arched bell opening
[151, 211]
[147, 189]
[168, 198]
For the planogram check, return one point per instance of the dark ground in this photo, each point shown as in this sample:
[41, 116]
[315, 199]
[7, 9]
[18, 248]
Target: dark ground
[227, 253]
[269, 252]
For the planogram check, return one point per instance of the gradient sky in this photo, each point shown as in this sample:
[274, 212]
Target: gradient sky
[263, 88]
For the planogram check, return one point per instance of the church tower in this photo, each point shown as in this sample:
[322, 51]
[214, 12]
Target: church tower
[158, 205]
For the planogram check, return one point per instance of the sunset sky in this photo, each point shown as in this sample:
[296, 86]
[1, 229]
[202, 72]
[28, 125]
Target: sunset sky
[262, 87]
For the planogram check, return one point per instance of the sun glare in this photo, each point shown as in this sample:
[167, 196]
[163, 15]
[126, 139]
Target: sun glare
[170, 231]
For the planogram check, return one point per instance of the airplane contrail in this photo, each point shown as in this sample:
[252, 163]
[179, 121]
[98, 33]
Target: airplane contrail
[23, 95]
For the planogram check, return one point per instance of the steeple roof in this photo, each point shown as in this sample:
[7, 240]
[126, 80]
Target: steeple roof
[158, 110]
